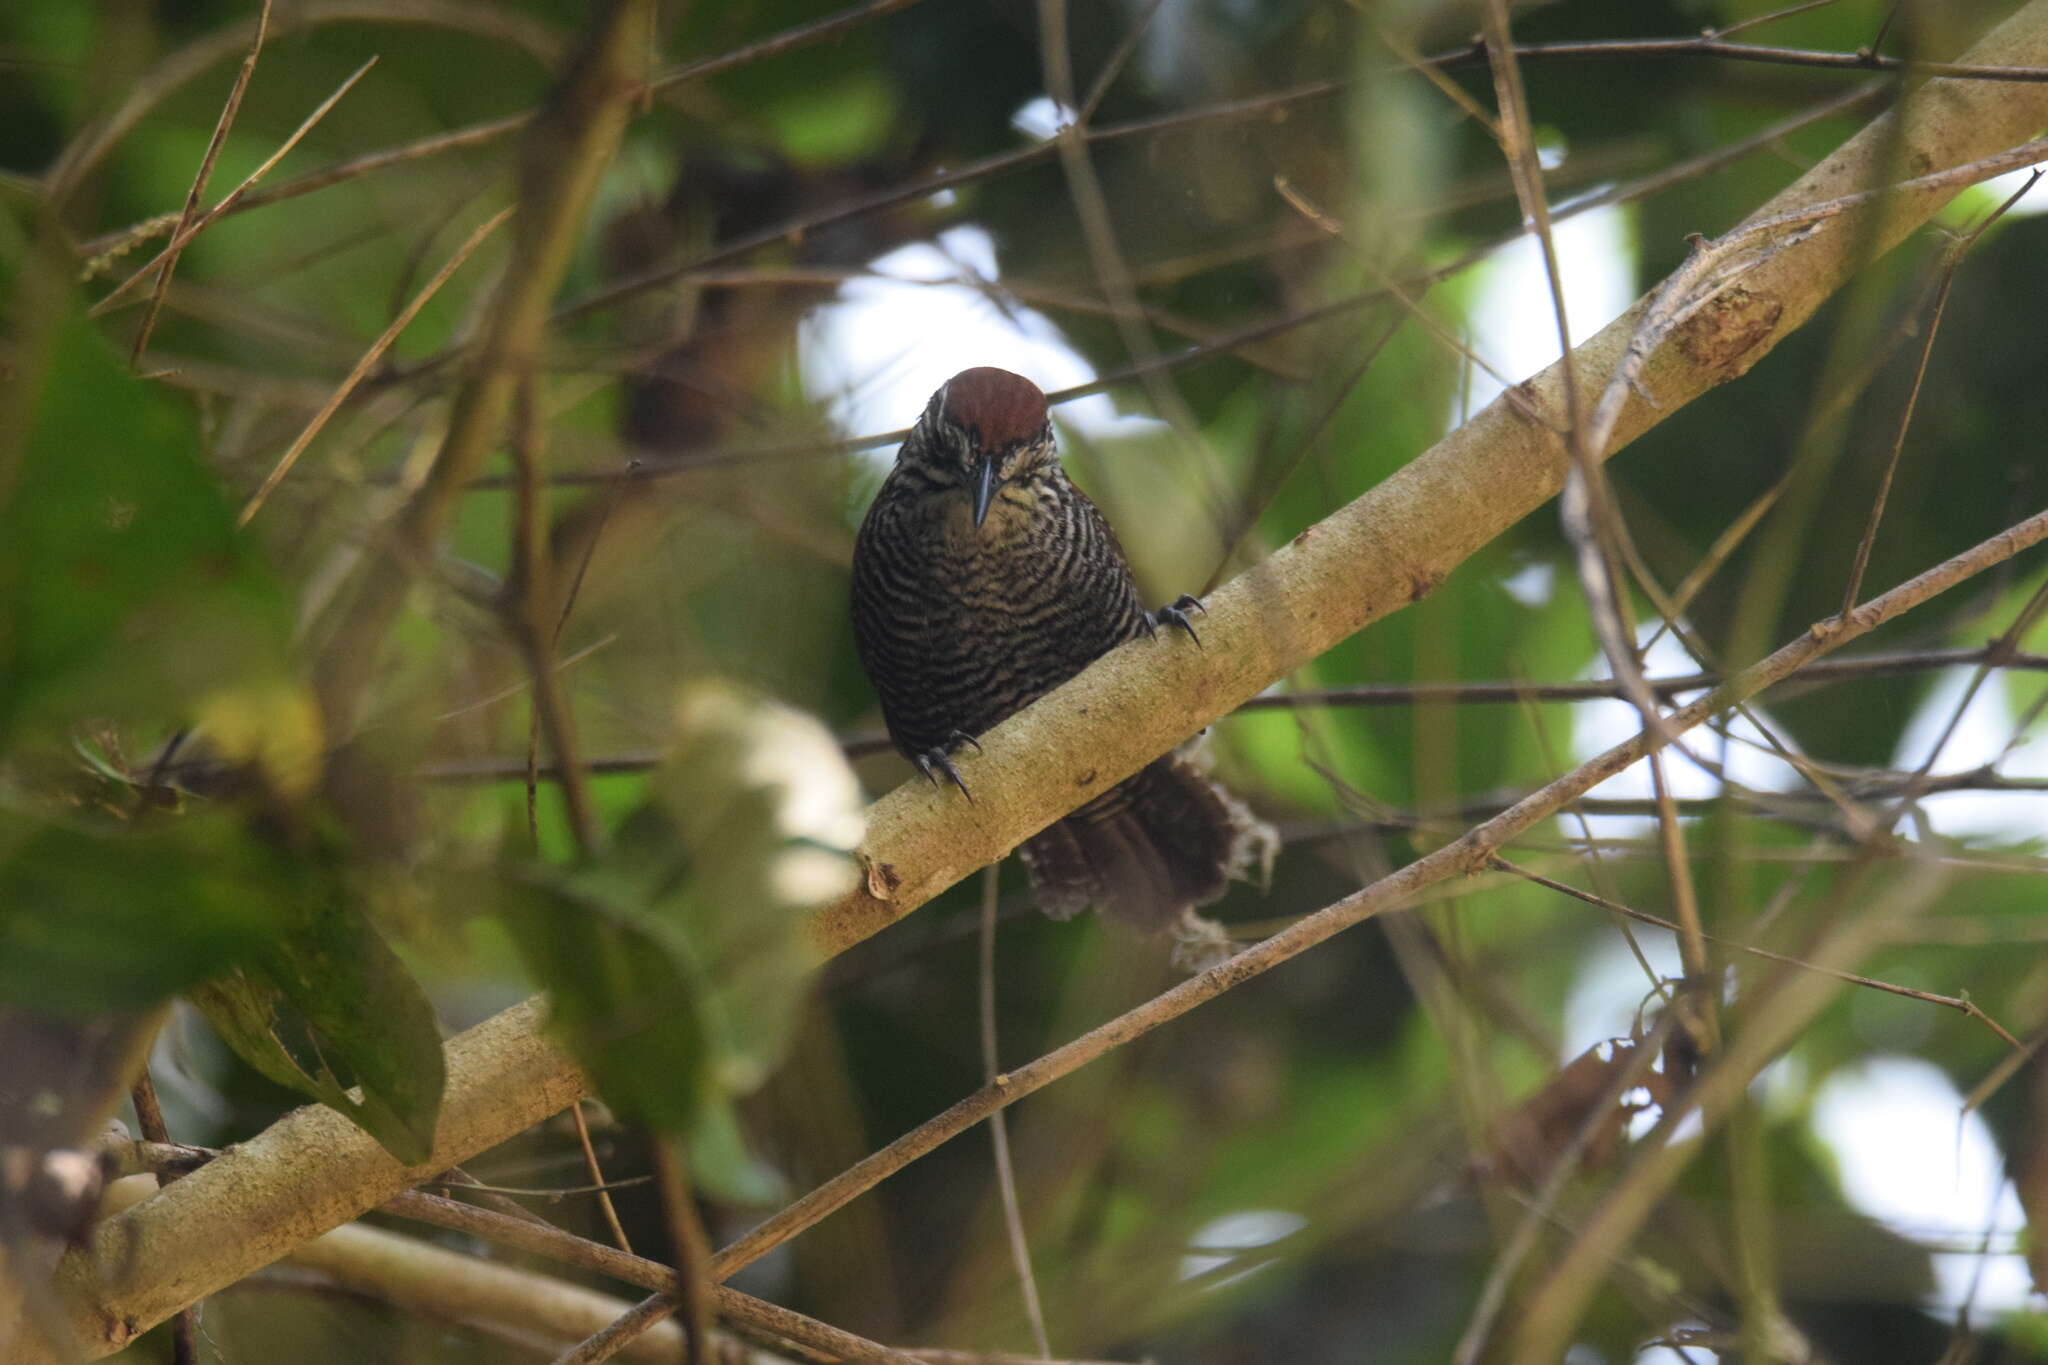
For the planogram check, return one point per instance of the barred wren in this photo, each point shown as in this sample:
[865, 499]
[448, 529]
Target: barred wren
[983, 579]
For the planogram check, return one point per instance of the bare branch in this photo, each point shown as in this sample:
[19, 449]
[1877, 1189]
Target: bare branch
[195, 226]
[1708, 45]
[1950, 266]
[205, 173]
[363, 366]
[998, 1126]
[1962, 1004]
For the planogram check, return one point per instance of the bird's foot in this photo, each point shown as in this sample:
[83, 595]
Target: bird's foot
[1175, 614]
[933, 762]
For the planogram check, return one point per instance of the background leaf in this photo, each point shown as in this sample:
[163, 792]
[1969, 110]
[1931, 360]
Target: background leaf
[329, 1010]
[118, 920]
[677, 962]
[125, 593]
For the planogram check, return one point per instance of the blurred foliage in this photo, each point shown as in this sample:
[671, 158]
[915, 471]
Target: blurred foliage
[330, 984]
[121, 550]
[1298, 1170]
[677, 962]
[93, 921]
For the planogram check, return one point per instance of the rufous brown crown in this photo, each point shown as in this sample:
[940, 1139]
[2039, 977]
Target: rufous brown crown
[1001, 408]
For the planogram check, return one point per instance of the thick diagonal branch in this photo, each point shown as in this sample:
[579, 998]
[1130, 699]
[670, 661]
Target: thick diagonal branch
[1398, 541]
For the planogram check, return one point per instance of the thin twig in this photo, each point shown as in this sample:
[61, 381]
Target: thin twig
[1707, 46]
[998, 1126]
[1113, 66]
[531, 596]
[511, 690]
[1591, 520]
[2003, 1071]
[1760, 20]
[149, 1117]
[795, 36]
[1431, 72]
[205, 220]
[781, 1323]
[368, 362]
[619, 1332]
[1394, 289]
[1826, 672]
[736, 1309]
[213, 146]
[688, 1244]
[602, 1187]
[1960, 1003]
[604, 518]
[1265, 488]
[1779, 226]
[1725, 544]
[1950, 265]
[552, 1194]
[490, 1196]
[1793, 808]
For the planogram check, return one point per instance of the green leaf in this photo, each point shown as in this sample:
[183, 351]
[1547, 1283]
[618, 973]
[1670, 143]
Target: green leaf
[721, 1163]
[329, 1010]
[125, 592]
[760, 814]
[624, 997]
[100, 921]
[677, 962]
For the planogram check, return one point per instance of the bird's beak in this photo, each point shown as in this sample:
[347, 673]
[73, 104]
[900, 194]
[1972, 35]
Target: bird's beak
[984, 490]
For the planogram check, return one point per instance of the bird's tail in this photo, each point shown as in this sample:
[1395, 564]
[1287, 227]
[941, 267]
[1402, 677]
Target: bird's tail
[1165, 841]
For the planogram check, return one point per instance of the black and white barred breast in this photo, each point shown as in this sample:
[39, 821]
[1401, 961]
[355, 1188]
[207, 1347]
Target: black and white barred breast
[959, 627]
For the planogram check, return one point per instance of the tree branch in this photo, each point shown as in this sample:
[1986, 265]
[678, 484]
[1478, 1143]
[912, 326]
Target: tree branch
[310, 1171]
[1398, 541]
[440, 1283]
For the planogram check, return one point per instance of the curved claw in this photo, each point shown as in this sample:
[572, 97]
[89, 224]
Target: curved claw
[933, 762]
[1175, 614]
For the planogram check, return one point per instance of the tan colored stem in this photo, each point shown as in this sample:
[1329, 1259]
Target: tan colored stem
[435, 1282]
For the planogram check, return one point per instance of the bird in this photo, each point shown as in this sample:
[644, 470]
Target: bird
[983, 579]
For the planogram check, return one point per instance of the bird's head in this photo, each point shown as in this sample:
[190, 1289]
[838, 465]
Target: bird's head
[983, 429]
